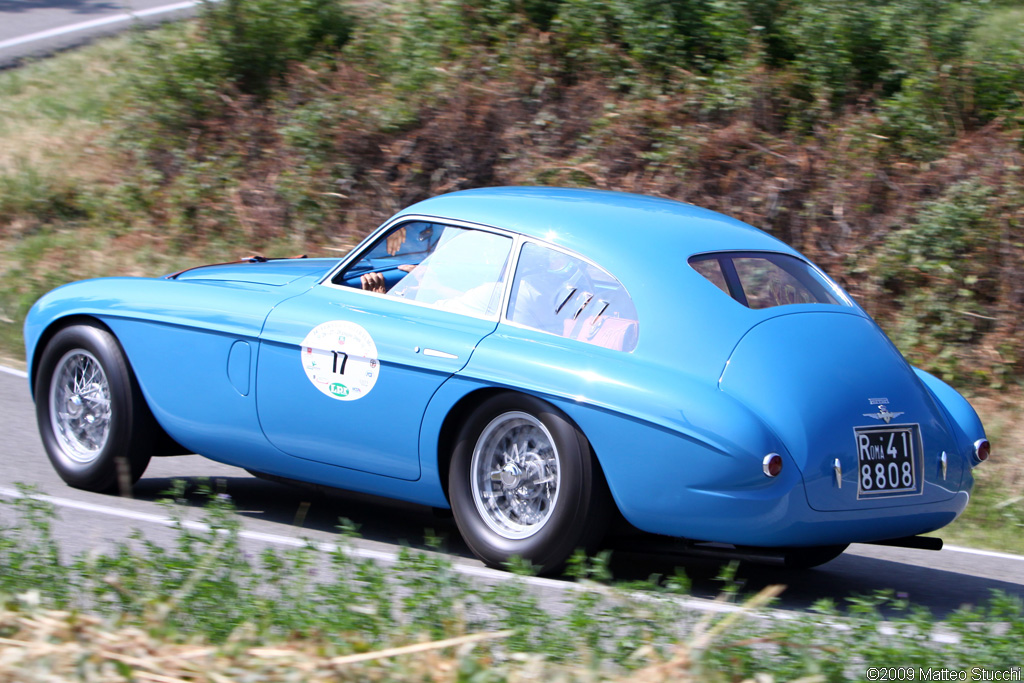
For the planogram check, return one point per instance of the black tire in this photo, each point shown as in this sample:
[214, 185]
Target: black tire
[529, 517]
[806, 558]
[93, 420]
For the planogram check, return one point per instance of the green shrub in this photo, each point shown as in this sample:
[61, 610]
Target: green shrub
[203, 588]
[36, 197]
[662, 38]
[236, 46]
[258, 39]
[996, 54]
[940, 274]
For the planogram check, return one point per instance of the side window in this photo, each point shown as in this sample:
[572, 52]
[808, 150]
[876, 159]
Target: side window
[562, 294]
[452, 268]
[404, 246]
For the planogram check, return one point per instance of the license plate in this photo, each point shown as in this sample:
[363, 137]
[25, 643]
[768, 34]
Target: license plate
[888, 461]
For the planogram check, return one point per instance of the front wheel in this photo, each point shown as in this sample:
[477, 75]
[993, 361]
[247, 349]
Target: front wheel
[523, 482]
[91, 415]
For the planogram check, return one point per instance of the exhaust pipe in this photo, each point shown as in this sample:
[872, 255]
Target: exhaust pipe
[919, 542]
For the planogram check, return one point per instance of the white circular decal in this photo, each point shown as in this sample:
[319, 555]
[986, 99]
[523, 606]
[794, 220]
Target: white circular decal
[340, 359]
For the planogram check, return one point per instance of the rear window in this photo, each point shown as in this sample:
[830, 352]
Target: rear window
[763, 280]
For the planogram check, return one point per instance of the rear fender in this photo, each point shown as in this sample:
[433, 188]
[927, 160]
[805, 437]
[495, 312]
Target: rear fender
[661, 436]
[962, 417]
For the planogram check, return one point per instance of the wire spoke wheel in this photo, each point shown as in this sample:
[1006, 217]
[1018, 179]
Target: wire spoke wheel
[93, 420]
[523, 483]
[515, 475]
[80, 406]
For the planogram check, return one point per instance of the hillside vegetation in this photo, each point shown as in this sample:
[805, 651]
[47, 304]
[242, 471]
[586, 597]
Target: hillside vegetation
[881, 137]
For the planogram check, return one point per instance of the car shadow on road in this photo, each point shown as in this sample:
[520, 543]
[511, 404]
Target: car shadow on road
[849, 577]
[296, 511]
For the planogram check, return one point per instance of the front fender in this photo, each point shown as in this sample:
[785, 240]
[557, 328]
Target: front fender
[232, 309]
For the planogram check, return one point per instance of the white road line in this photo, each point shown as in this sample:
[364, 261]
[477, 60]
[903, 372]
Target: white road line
[11, 371]
[96, 23]
[493, 575]
[287, 540]
[983, 553]
[163, 520]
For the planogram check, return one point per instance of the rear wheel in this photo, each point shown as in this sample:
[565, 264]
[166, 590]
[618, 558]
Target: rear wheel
[523, 482]
[91, 415]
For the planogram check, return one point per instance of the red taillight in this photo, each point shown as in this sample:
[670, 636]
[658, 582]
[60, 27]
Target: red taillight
[772, 465]
[982, 450]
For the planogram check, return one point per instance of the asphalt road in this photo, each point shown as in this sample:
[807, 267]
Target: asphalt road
[33, 28]
[278, 514]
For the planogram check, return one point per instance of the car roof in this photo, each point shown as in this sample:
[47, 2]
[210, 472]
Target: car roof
[597, 223]
[642, 241]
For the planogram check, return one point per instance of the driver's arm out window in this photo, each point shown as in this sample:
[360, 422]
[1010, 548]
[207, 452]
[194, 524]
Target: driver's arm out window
[404, 246]
[564, 295]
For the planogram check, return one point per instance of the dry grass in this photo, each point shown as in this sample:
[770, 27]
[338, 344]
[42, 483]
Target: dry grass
[63, 646]
[39, 646]
[1005, 428]
[994, 519]
[54, 112]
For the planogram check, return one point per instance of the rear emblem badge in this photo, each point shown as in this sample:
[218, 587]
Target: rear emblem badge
[883, 411]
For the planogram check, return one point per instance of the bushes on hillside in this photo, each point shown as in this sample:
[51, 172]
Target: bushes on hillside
[238, 46]
[930, 68]
[944, 273]
[826, 122]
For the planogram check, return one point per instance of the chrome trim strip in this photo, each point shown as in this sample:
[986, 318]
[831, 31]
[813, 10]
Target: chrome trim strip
[434, 353]
[977, 448]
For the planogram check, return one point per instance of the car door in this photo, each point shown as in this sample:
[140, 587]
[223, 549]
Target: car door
[344, 374]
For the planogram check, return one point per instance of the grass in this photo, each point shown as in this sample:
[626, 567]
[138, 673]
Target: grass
[53, 113]
[62, 179]
[205, 607]
[995, 516]
[54, 116]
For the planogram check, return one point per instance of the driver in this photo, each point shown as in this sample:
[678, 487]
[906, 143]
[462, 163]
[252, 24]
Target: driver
[461, 274]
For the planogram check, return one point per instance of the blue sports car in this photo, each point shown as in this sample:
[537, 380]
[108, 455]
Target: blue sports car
[536, 359]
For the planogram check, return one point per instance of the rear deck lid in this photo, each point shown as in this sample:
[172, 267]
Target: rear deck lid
[852, 413]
